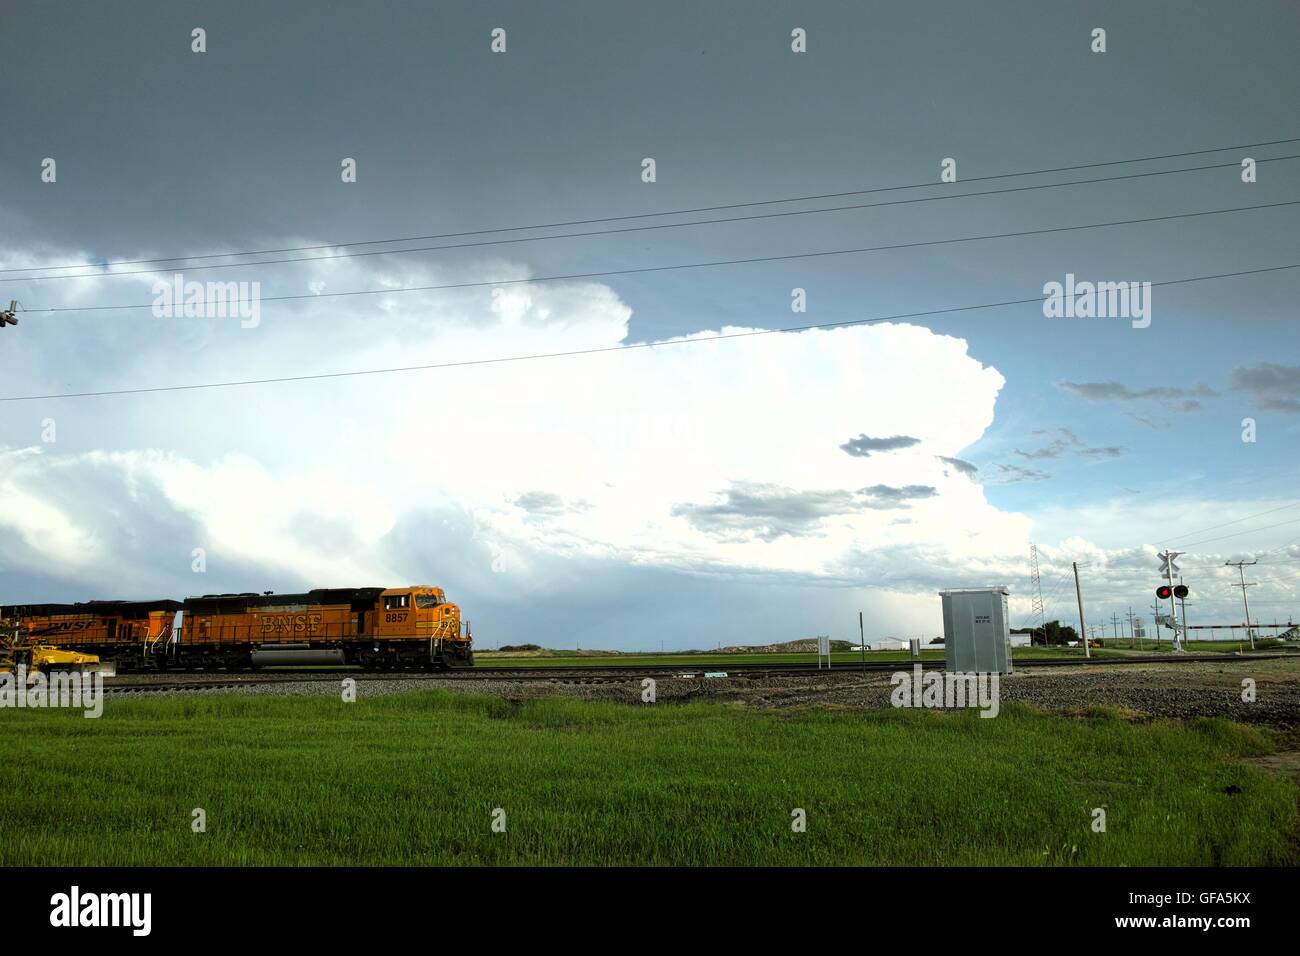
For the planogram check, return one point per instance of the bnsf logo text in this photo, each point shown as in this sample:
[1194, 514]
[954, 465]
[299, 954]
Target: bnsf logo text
[291, 624]
[74, 625]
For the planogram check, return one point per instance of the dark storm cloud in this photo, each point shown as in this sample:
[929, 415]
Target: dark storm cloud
[1009, 474]
[863, 446]
[888, 496]
[543, 503]
[1067, 442]
[770, 511]
[1108, 451]
[1150, 422]
[1058, 446]
[767, 511]
[1168, 397]
[1272, 387]
[965, 467]
[1119, 392]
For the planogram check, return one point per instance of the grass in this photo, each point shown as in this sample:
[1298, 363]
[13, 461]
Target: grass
[1198, 647]
[413, 779]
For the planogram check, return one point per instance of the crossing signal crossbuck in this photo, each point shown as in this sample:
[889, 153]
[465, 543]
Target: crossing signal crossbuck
[7, 317]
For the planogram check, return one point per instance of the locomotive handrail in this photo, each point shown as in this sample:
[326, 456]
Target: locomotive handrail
[199, 633]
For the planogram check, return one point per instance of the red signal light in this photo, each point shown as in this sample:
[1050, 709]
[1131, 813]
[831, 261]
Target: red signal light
[1180, 590]
[1163, 592]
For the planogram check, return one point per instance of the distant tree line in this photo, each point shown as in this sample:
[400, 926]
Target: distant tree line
[1051, 633]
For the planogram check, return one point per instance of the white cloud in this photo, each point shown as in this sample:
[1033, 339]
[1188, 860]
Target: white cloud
[639, 437]
[610, 458]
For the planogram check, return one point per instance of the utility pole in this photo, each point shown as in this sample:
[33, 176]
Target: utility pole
[1155, 616]
[1243, 585]
[1078, 593]
[1114, 624]
[1131, 637]
[862, 641]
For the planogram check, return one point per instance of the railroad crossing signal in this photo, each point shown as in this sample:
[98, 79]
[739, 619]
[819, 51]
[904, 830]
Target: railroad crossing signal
[7, 317]
[1167, 566]
[1164, 592]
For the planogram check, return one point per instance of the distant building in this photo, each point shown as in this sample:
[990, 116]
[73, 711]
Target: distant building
[888, 644]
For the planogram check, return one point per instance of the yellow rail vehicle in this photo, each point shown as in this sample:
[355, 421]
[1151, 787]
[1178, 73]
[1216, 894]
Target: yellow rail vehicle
[377, 628]
[129, 631]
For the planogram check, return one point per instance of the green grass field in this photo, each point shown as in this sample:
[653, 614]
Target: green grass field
[1262, 645]
[413, 779]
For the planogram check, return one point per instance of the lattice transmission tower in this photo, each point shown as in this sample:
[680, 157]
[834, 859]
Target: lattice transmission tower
[1036, 612]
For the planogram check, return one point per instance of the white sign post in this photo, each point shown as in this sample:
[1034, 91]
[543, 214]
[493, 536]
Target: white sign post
[1169, 569]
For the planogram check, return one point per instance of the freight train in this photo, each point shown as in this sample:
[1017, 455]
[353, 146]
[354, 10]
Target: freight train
[377, 628]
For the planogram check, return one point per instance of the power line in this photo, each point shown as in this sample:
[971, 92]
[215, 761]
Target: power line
[1215, 527]
[1240, 533]
[1050, 601]
[1281, 547]
[1292, 578]
[1054, 596]
[680, 212]
[1186, 567]
[725, 262]
[593, 351]
[608, 232]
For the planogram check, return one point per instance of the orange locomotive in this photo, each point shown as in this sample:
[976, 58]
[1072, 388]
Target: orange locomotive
[376, 628]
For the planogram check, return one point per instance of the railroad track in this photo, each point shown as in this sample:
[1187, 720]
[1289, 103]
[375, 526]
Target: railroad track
[616, 673]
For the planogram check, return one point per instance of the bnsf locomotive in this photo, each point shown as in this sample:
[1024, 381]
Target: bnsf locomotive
[377, 628]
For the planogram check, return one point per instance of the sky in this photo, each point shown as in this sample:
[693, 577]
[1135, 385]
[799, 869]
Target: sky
[718, 487]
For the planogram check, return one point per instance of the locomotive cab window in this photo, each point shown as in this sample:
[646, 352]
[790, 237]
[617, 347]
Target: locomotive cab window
[397, 602]
[427, 600]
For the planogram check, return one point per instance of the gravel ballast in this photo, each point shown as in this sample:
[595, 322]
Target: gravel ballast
[1156, 690]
